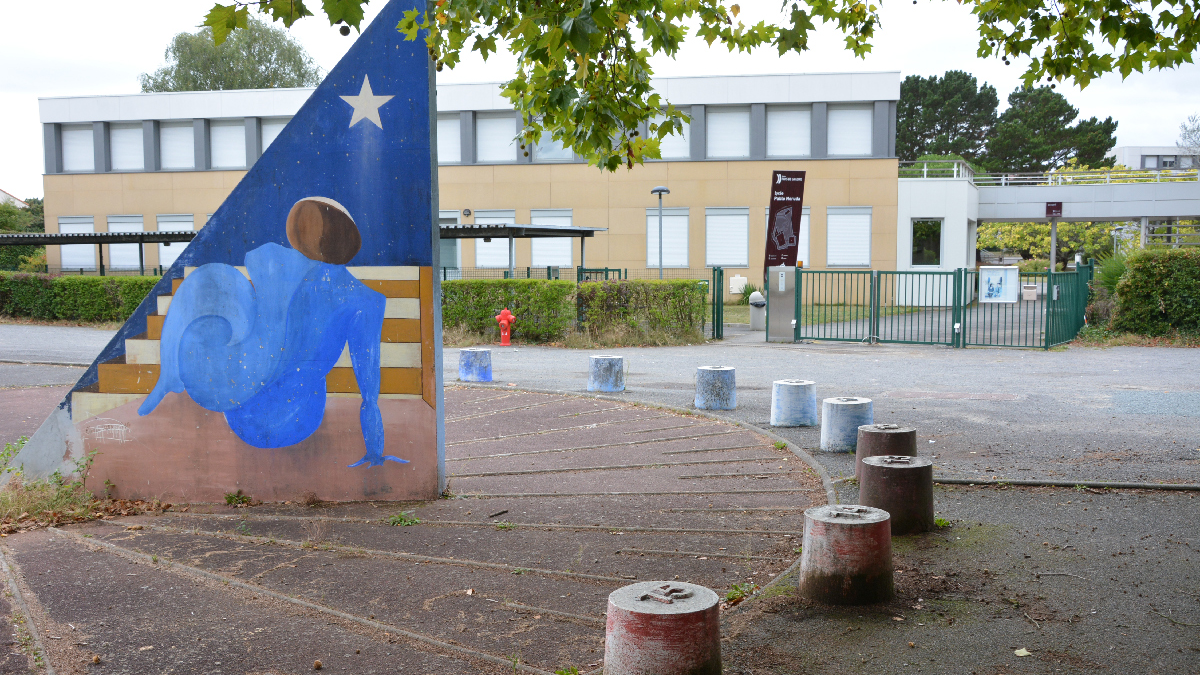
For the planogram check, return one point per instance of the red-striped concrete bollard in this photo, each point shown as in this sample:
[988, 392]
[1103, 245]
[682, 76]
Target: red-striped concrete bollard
[883, 439]
[902, 486]
[847, 555]
[662, 628]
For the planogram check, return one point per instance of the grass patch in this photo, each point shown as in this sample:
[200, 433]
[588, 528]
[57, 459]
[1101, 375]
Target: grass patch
[460, 336]
[626, 336]
[238, 498]
[402, 519]
[1095, 336]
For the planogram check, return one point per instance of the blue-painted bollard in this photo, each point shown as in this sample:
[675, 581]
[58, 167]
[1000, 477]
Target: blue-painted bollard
[607, 373]
[840, 419]
[475, 364]
[794, 403]
[716, 388]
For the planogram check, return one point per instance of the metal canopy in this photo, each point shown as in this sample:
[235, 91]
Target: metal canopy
[40, 239]
[463, 231]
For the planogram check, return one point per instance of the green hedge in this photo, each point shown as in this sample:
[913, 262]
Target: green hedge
[675, 307]
[1159, 291]
[74, 298]
[544, 309]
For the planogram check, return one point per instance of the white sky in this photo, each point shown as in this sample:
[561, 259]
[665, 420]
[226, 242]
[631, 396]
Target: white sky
[83, 47]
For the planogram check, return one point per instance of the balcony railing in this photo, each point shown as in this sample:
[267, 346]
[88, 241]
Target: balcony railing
[960, 170]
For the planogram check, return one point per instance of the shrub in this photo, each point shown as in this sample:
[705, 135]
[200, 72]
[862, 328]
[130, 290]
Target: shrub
[1159, 291]
[543, 307]
[75, 298]
[1109, 271]
[675, 308]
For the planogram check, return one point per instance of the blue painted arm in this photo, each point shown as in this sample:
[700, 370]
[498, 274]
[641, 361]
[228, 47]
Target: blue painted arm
[363, 340]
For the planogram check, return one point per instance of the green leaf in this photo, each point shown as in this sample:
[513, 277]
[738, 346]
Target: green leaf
[224, 19]
[287, 11]
[349, 12]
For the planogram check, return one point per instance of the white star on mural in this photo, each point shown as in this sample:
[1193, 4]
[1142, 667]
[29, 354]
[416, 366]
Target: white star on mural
[366, 104]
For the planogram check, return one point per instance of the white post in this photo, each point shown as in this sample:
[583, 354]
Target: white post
[1053, 241]
[512, 258]
[660, 219]
[1145, 228]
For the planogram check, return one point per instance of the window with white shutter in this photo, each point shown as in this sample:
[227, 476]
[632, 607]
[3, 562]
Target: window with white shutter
[77, 256]
[728, 132]
[271, 128]
[726, 237]
[677, 145]
[493, 253]
[449, 144]
[124, 256]
[802, 251]
[674, 237]
[176, 145]
[848, 236]
[494, 138]
[850, 130]
[227, 140]
[125, 143]
[789, 131]
[173, 222]
[78, 152]
[551, 251]
[550, 150]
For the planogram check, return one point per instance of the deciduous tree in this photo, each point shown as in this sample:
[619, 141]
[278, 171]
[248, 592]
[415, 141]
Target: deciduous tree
[259, 56]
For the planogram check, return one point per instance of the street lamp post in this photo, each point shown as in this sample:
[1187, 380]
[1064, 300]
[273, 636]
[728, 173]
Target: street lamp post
[660, 191]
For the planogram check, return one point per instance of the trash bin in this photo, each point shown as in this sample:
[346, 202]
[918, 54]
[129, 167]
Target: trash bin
[758, 311]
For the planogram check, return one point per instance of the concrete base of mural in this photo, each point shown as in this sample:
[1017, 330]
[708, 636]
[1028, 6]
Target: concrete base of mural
[195, 457]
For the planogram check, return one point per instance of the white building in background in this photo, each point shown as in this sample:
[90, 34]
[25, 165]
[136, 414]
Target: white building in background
[1153, 157]
[7, 198]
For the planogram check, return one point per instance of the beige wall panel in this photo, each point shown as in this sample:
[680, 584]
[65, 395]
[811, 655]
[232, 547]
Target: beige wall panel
[517, 195]
[99, 203]
[886, 169]
[459, 196]
[150, 203]
[190, 180]
[579, 195]
[636, 194]
[230, 179]
[685, 171]
[650, 171]
[523, 173]
[624, 250]
[822, 192]
[152, 180]
[753, 193]
[873, 191]
[465, 174]
[816, 238]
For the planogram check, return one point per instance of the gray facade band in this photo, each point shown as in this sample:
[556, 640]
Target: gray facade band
[697, 135]
[879, 130]
[200, 128]
[253, 140]
[820, 130]
[52, 143]
[466, 131]
[150, 159]
[101, 149]
[758, 131]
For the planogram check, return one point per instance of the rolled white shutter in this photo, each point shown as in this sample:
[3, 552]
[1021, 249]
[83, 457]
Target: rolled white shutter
[728, 133]
[675, 146]
[176, 147]
[228, 143]
[551, 251]
[78, 152]
[494, 135]
[493, 253]
[124, 256]
[77, 256]
[848, 236]
[271, 129]
[674, 235]
[850, 131]
[449, 142]
[173, 222]
[789, 131]
[126, 146]
[727, 237]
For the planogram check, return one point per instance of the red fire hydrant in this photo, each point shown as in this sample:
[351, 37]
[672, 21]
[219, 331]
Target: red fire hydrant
[505, 319]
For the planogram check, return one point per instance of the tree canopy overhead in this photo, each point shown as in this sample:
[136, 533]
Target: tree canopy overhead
[583, 73]
[948, 115]
[258, 56]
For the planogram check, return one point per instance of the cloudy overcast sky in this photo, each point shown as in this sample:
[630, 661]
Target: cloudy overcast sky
[84, 47]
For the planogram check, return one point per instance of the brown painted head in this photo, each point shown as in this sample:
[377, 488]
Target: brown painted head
[322, 229]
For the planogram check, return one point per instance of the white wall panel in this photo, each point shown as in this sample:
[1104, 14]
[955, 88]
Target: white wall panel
[125, 143]
[674, 237]
[726, 237]
[79, 154]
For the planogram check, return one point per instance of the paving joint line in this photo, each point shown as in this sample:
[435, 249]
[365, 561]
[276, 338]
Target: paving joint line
[472, 416]
[701, 553]
[555, 612]
[645, 441]
[388, 629]
[397, 555]
[680, 493]
[24, 608]
[821, 471]
[553, 431]
[612, 467]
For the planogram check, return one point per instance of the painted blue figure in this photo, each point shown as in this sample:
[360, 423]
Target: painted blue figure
[258, 349]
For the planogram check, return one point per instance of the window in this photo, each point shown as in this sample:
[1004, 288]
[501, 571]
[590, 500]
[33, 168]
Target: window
[801, 245]
[728, 132]
[271, 128]
[227, 139]
[173, 222]
[551, 251]
[78, 152]
[674, 237]
[550, 150]
[848, 236]
[124, 256]
[450, 253]
[726, 237]
[126, 146]
[1186, 162]
[789, 131]
[176, 147]
[449, 144]
[494, 137]
[850, 130]
[1168, 162]
[493, 253]
[927, 241]
[674, 146]
[77, 256]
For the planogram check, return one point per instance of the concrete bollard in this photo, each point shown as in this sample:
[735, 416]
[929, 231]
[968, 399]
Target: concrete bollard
[474, 364]
[716, 388]
[606, 373]
[758, 311]
[883, 439]
[794, 403]
[840, 419]
[847, 555]
[902, 486]
[662, 628]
